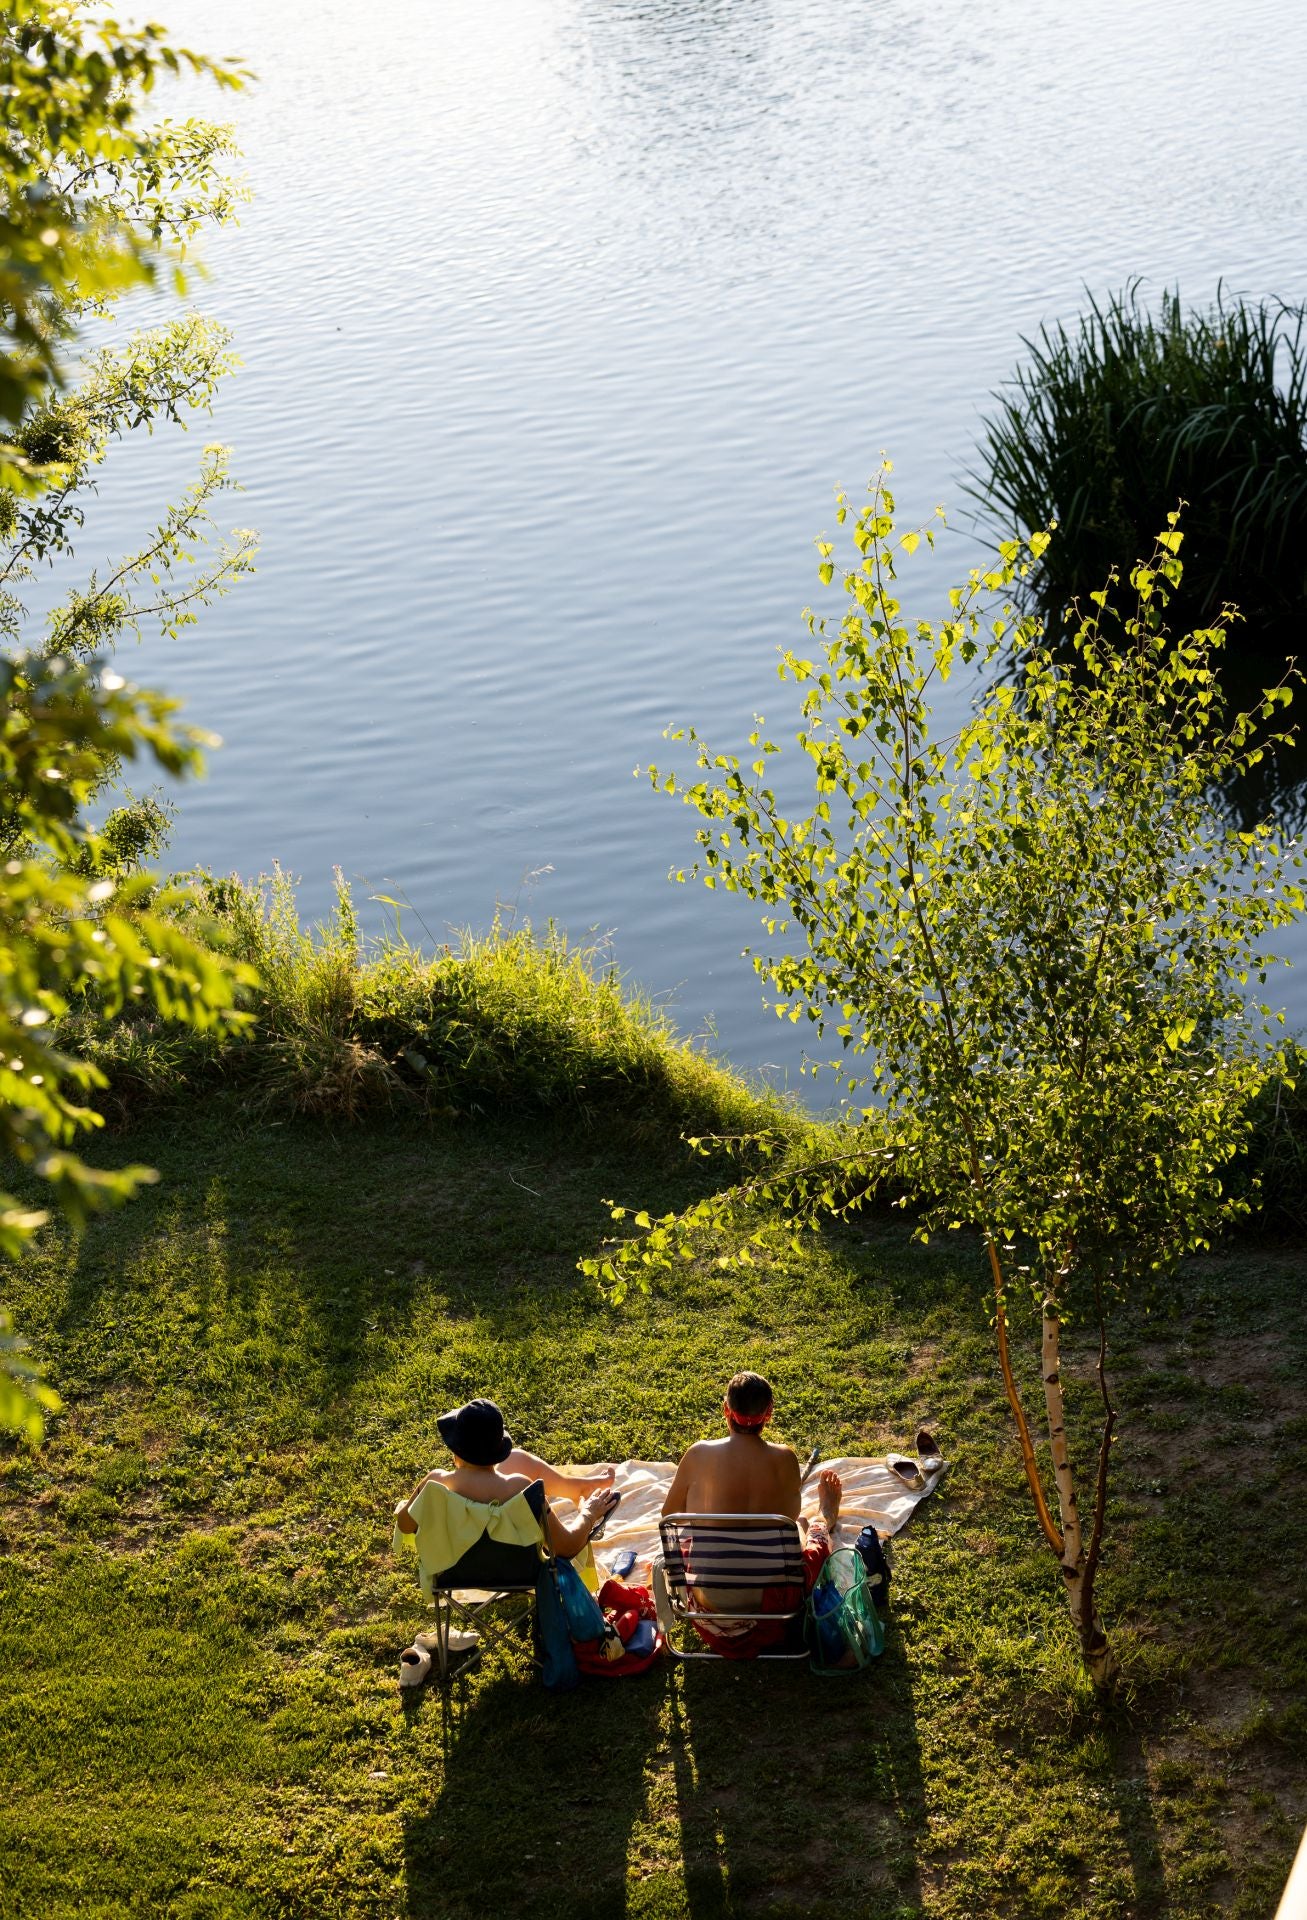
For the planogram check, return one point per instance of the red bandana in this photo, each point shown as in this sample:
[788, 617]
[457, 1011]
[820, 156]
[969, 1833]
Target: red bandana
[749, 1421]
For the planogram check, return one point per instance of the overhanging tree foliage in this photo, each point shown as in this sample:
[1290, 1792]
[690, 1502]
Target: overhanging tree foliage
[69, 932]
[88, 194]
[1035, 940]
[91, 203]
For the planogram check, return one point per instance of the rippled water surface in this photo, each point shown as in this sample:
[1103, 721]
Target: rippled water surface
[560, 324]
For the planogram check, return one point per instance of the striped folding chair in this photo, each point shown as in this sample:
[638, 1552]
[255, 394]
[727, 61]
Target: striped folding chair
[715, 1568]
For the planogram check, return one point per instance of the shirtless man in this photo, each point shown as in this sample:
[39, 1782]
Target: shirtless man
[747, 1473]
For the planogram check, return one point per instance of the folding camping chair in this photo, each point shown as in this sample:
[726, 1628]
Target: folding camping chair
[703, 1551]
[488, 1573]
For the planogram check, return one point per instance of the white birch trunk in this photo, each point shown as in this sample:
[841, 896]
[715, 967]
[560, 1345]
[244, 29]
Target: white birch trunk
[1103, 1666]
[1064, 1480]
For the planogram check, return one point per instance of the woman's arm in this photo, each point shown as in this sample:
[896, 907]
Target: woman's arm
[567, 1537]
[403, 1518]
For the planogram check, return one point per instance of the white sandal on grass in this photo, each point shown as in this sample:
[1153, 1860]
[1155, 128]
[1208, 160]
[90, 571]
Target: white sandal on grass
[461, 1640]
[414, 1666]
[416, 1662]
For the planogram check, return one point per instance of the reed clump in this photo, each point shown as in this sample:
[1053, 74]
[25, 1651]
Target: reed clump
[1112, 421]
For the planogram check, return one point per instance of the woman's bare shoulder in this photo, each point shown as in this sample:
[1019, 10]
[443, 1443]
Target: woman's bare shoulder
[487, 1487]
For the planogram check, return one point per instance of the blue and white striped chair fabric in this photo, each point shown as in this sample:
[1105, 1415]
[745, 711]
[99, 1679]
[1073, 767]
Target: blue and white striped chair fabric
[735, 1555]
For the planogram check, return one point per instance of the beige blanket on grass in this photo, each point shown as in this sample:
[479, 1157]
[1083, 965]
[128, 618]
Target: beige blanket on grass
[872, 1492]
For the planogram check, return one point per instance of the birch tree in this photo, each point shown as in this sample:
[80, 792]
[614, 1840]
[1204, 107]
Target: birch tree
[1040, 945]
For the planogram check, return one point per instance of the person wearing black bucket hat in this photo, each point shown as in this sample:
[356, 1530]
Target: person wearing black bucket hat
[488, 1470]
[477, 1437]
[475, 1433]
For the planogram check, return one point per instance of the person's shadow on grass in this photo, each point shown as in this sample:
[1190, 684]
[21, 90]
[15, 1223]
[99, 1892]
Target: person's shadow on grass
[533, 1795]
[798, 1793]
[737, 1786]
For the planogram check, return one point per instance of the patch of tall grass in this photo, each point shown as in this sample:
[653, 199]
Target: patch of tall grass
[515, 1020]
[346, 1027]
[1113, 422]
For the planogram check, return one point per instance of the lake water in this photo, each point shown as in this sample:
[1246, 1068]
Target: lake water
[561, 321]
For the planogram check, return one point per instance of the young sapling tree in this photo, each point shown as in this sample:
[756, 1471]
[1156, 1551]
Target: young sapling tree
[1034, 938]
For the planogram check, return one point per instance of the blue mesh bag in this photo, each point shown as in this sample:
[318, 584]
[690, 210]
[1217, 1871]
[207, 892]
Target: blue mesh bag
[841, 1626]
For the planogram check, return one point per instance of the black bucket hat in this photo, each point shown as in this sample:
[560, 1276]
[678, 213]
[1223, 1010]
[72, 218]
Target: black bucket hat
[476, 1433]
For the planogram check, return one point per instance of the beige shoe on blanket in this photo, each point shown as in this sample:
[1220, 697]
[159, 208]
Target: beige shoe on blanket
[907, 1471]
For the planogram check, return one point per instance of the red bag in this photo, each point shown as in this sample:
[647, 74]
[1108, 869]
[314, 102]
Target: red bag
[624, 1608]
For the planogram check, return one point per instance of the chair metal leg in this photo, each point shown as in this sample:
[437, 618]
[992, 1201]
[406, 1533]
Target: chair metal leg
[663, 1601]
[444, 1621]
[457, 1616]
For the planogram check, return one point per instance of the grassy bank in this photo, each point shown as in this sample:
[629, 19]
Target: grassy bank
[517, 1020]
[345, 1028]
[200, 1618]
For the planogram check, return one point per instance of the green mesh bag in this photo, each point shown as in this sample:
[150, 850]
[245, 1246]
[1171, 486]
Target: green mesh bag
[841, 1626]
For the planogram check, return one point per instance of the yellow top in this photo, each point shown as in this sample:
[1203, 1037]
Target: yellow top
[449, 1524]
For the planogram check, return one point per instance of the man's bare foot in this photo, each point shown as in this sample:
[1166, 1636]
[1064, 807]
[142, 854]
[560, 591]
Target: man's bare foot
[829, 1489]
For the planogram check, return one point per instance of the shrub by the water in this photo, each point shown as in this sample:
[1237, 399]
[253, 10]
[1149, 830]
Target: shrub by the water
[510, 1020]
[1114, 420]
[1276, 1155]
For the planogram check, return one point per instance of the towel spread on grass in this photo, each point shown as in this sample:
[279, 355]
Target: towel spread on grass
[872, 1492]
[448, 1526]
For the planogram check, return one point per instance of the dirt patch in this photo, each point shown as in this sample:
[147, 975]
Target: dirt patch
[1224, 1699]
[1255, 1361]
[260, 1543]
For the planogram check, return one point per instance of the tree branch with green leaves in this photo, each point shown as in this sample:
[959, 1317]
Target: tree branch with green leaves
[93, 202]
[1035, 940]
[89, 196]
[72, 937]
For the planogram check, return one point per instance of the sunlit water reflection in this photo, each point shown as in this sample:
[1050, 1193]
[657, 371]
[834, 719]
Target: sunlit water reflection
[560, 325]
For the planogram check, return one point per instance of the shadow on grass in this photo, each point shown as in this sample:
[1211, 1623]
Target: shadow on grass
[798, 1794]
[698, 1792]
[246, 1223]
[1131, 1802]
[539, 1799]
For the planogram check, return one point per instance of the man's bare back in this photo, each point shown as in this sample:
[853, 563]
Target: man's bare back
[746, 1474]
[741, 1474]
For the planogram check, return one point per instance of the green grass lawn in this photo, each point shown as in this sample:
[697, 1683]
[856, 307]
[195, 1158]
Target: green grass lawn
[200, 1617]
